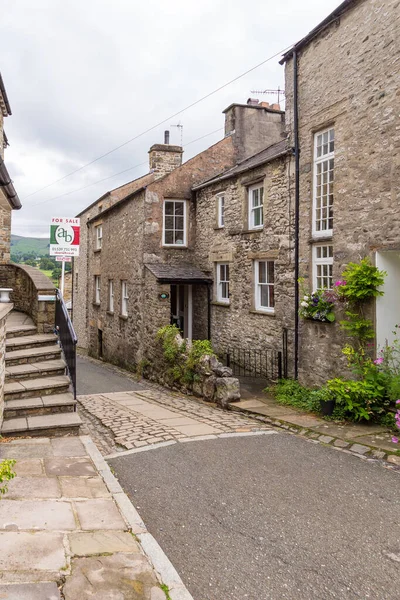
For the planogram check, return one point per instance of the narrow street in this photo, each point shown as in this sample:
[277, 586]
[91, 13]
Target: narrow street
[245, 511]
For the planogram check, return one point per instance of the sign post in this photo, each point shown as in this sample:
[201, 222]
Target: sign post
[64, 241]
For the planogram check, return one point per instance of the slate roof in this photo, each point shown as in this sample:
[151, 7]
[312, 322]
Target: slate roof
[279, 149]
[184, 273]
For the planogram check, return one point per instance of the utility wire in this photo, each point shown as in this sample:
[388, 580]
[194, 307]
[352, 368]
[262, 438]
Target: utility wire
[161, 122]
[119, 173]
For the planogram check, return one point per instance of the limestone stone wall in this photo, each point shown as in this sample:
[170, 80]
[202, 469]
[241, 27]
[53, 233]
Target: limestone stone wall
[239, 324]
[28, 285]
[349, 79]
[164, 158]
[5, 229]
[5, 309]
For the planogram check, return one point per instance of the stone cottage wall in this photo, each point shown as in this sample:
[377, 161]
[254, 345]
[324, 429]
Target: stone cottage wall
[238, 324]
[349, 78]
[5, 229]
[5, 309]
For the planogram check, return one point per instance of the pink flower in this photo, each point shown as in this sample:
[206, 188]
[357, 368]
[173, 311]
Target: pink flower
[378, 361]
[395, 440]
[397, 401]
[338, 283]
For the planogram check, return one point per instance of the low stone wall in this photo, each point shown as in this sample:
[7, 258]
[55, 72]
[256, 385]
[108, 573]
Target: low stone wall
[212, 380]
[5, 309]
[29, 285]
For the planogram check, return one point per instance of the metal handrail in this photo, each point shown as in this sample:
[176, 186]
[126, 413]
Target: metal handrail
[67, 336]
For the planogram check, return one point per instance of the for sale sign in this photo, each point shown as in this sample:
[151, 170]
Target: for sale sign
[64, 236]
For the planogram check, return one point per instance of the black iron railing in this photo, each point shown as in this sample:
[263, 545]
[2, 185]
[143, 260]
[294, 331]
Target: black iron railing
[67, 336]
[265, 364]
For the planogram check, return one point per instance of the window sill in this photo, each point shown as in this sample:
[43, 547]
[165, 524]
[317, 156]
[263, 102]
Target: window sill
[218, 227]
[97, 250]
[123, 317]
[110, 312]
[224, 304]
[320, 239]
[258, 230]
[265, 313]
[96, 304]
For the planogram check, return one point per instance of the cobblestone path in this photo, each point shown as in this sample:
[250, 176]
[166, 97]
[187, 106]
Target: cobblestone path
[125, 420]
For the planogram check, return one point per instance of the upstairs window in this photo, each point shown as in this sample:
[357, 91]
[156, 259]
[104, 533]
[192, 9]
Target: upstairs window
[174, 233]
[111, 296]
[99, 236]
[223, 283]
[221, 210]
[264, 276]
[124, 298]
[97, 289]
[256, 206]
[322, 267]
[324, 153]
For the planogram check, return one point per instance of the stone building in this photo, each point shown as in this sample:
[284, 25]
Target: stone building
[342, 83]
[146, 261]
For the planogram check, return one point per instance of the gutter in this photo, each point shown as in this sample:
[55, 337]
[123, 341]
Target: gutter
[4, 94]
[7, 186]
[296, 213]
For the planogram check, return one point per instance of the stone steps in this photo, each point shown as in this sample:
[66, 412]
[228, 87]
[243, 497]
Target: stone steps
[29, 388]
[33, 355]
[42, 425]
[30, 341]
[46, 368]
[40, 405]
[36, 390]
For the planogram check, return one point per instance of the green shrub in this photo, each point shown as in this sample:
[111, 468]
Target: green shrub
[359, 400]
[289, 392]
[6, 473]
[362, 281]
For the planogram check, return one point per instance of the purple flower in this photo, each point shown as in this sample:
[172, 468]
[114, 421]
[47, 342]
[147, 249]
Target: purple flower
[339, 283]
[395, 440]
[378, 361]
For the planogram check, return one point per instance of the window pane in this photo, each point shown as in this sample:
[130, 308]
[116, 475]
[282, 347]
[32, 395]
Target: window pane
[169, 208]
[179, 223]
[262, 278]
[179, 208]
[179, 237]
[271, 296]
[264, 296]
[169, 237]
[169, 222]
[271, 271]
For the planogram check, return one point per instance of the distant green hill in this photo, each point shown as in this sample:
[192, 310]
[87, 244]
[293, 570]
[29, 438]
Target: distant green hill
[26, 245]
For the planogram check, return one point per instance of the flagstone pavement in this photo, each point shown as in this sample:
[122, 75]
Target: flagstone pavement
[141, 418]
[62, 533]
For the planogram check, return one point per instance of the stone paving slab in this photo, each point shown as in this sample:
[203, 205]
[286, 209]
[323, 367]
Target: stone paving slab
[100, 542]
[65, 466]
[48, 515]
[83, 487]
[33, 487]
[30, 467]
[37, 551]
[67, 446]
[99, 514]
[30, 591]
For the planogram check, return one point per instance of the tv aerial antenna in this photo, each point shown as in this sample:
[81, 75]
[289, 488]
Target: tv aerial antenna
[279, 93]
[180, 127]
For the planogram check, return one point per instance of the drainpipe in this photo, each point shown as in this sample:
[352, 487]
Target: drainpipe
[296, 215]
[209, 311]
[7, 185]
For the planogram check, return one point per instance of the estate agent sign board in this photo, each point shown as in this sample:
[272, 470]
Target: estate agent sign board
[64, 236]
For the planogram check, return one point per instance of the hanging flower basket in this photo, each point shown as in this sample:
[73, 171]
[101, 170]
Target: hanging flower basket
[318, 306]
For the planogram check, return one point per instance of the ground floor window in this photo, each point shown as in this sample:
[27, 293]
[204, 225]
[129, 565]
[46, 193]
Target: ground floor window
[322, 267]
[111, 295]
[264, 277]
[223, 283]
[124, 298]
[97, 289]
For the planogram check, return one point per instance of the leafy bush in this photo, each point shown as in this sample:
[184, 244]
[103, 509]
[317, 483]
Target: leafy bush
[359, 399]
[361, 281]
[289, 392]
[6, 473]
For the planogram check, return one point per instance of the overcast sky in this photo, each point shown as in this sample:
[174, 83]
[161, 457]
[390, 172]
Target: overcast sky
[84, 76]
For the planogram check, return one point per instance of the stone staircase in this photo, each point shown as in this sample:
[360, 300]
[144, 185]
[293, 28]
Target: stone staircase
[37, 397]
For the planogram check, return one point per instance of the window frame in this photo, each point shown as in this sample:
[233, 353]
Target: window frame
[97, 289]
[328, 260]
[221, 210]
[251, 209]
[221, 283]
[99, 238]
[319, 161]
[111, 295]
[124, 298]
[184, 244]
[258, 286]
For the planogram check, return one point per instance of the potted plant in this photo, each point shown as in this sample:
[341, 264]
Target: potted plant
[326, 402]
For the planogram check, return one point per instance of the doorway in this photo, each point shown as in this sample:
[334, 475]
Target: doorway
[388, 305]
[182, 309]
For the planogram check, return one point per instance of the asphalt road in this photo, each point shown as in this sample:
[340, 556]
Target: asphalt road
[97, 378]
[270, 517]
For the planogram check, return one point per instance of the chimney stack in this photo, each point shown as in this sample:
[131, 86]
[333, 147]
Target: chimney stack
[164, 158]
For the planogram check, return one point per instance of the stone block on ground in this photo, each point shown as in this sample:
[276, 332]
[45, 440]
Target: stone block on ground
[100, 577]
[30, 591]
[209, 388]
[101, 542]
[83, 487]
[227, 390]
[38, 551]
[74, 467]
[99, 514]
